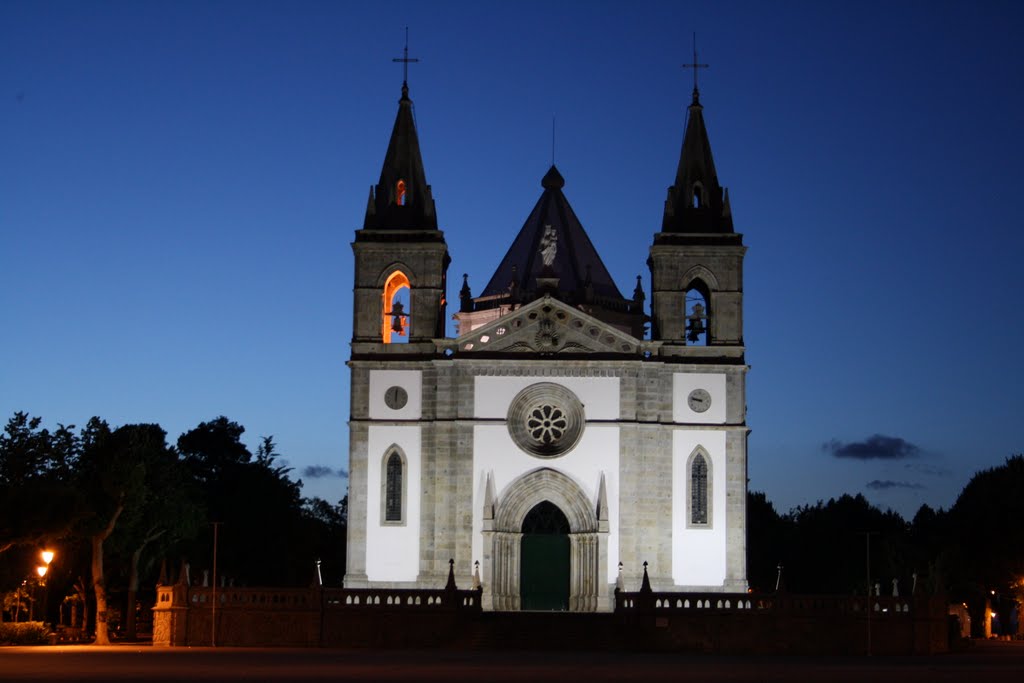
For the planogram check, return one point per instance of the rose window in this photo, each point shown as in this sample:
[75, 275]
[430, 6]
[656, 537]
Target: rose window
[546, 420]
[547, 424]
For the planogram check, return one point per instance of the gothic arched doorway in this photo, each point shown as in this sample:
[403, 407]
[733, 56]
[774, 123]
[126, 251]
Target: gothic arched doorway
[544, 559]
[583, 528]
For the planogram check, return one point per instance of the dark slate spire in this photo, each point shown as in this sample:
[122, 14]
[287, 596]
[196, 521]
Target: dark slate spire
[696, 203]
[402, 199]
[574, 262]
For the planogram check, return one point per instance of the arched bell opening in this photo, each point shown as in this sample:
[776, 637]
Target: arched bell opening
[395, 309]
[697, 196]
[698, 315]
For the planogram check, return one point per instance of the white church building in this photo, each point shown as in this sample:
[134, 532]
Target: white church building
[553, 447]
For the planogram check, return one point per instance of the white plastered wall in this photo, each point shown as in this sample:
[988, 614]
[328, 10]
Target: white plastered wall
[392, 551]
[698, 553]
[597, 451]
[599, 395]
[685, 382]
[410, 380]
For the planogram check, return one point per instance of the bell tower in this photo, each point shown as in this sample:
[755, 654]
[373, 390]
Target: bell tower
[696, 260]
[401, 259]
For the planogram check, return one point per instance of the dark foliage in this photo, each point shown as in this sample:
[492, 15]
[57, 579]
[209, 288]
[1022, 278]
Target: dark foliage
[266, 536]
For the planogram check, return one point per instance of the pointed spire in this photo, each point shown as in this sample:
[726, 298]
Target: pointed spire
[450, 585]
[696, 203]
[465, 295]
[402, 199]
[489, 496]
[638, 291]
[602, 500]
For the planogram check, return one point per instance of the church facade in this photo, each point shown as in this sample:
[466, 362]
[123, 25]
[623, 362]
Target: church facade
[553, 448]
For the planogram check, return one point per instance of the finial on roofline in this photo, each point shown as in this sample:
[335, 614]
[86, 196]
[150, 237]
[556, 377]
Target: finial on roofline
[695, 65]
[405, 59]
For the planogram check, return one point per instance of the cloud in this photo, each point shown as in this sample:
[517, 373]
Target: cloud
[925, 468]
[321, 471]
[880, 485]
[877, 447]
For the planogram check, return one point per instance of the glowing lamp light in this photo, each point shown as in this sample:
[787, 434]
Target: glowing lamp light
[41, 571]
[47, 556]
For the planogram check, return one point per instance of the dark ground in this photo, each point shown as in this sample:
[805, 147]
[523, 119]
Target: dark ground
[982, 661]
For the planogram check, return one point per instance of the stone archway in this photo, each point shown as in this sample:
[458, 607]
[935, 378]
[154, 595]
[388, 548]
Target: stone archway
[588, 540]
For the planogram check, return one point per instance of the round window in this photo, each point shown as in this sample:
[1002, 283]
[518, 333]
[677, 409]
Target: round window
[546, 420]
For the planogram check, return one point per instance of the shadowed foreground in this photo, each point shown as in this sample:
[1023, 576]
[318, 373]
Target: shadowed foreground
[84, 663]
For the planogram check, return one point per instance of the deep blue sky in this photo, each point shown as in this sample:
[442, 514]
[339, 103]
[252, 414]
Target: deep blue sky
[180, 182]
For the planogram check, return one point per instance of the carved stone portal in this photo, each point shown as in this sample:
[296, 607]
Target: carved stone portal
[588, 537]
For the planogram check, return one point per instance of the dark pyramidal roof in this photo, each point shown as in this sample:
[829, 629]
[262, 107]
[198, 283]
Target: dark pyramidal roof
[402, 163]
[696, 203]
[576, 260]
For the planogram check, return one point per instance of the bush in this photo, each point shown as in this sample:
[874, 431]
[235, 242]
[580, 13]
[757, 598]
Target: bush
[25, 633]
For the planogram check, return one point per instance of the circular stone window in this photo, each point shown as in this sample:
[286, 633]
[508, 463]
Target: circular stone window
[546, 420]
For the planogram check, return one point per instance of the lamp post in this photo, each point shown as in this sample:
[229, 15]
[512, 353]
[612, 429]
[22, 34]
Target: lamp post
[41, 571]
[47, 557]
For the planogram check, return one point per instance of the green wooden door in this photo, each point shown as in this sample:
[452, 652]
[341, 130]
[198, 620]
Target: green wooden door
[544, 559]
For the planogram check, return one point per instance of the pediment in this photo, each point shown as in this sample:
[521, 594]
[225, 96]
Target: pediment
[547, 326]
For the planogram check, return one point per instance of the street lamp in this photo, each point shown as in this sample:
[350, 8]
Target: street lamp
[47, 556]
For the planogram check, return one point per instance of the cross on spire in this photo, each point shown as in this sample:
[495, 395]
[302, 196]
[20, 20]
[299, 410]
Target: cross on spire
[405, 60]
[695, 65]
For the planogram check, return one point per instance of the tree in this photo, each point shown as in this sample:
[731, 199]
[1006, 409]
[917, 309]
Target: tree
[166, 511]
[768, 539]
[828, 554]
[38, 501]
[328, 529]
[112, 475]
[985, 549]
[264, 538]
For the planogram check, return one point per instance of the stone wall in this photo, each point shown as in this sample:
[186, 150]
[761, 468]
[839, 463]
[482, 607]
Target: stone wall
[686, 622]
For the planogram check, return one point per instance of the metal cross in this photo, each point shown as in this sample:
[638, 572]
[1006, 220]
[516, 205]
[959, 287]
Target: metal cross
[696, 65]
[405, 58]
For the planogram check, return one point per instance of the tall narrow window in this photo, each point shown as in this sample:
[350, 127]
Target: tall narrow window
[699, 490]
[393, 489]
[395, 311]
[400, 193]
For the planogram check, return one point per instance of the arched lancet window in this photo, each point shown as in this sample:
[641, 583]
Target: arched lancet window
[699, 490]
[400, 193]
[698, 196]
[395, 309]
[697, 315]
[394, 488]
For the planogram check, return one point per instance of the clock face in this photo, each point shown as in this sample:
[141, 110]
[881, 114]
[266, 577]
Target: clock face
[396, 398]
[699, 400]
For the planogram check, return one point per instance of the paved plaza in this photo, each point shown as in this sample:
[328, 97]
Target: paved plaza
[994, 661]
